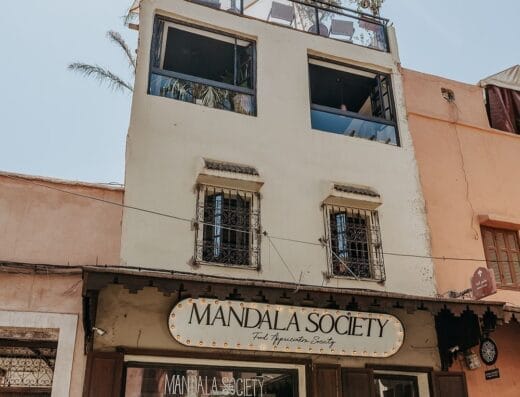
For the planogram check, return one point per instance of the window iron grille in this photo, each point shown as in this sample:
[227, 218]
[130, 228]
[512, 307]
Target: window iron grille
[228, 227]
[27, 366]
[354, 246]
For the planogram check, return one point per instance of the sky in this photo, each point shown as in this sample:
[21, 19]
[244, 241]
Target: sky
[57, 123]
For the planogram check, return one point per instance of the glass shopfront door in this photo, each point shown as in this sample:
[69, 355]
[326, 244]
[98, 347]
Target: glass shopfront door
[182, 380]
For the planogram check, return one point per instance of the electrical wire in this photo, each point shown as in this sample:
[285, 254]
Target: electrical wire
[281, 257]
[345, 264]
[192, 221]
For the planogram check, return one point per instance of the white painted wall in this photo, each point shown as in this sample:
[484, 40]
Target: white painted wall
[168, 138]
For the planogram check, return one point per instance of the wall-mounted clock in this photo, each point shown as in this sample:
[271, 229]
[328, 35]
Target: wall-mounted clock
[488, 351]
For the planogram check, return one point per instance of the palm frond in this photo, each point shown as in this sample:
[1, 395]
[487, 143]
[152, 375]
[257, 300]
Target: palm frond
[116, 38]
[101, 74]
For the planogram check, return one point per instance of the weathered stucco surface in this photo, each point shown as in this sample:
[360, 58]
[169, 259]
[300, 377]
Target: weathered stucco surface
[140, 321]
[40, 225]
[43, 226]
[48, 294]
[509, 383]
[168, 138]
[467, 169]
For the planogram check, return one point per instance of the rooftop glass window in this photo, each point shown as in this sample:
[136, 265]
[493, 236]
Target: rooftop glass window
[203, 67]
[351, 101]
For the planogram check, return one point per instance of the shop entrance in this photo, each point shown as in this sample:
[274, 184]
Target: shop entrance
[201, 378]
[119, 374]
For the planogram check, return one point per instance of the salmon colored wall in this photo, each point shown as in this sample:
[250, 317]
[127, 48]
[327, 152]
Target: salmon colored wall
[508, 385]
[40, 225]
[48, 293]
[466, 169]
[44, 226]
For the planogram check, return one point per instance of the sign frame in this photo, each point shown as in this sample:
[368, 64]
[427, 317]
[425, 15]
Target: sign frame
[483, 283]
[492, 374]
[237, 325]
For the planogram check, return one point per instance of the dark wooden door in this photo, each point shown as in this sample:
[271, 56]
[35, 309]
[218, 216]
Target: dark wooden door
[357, 382]
[327, 381]
[104, 375]
[449, 384]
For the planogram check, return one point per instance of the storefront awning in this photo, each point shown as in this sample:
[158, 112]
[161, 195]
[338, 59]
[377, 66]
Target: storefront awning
[187, 285]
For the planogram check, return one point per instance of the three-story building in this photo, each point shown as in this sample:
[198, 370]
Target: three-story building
[274, 238]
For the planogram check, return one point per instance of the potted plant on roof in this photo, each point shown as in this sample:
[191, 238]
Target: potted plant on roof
[373, 5]
[242, 103]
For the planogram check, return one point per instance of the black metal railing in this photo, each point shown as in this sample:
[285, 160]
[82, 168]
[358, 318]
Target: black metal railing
[205, 92]
[227, 230]
[313, 16]
[27, 366]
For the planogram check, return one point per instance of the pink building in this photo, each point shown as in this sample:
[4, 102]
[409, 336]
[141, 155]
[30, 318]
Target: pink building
[49, 228]
[471, 189]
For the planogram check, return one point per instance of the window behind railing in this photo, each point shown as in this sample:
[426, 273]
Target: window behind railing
[27, 361]
[203, 67]
[354, 243]
[228, 227]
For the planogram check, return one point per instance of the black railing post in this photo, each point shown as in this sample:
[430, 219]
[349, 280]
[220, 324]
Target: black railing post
[387, 41]
[317, 21]
[241, 7]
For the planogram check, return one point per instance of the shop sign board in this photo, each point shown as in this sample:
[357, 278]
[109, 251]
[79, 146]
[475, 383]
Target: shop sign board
[492, 374]
[483, 283]
[253, 326]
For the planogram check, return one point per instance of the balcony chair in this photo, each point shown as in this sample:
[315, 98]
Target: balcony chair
[208, 3]
[323, 30]
[341, 30]
[282, 14]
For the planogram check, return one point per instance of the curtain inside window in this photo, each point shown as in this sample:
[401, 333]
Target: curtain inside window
[504, 108]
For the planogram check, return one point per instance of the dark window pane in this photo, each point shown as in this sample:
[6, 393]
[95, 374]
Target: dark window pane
[331, 87]
[226, 236]
[352, 102]
[396, 385]
[206, 68]
[350, 244]
[208, 58]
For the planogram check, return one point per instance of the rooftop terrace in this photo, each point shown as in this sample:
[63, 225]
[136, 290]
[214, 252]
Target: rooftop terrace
[320, 17]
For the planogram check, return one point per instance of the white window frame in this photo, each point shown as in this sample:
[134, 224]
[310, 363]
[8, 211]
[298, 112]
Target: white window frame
[423, 379]
[302, 383]
[67, 325]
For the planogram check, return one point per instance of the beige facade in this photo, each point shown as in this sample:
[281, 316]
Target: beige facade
[297, 165]
[134, 321]
[291, 174]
